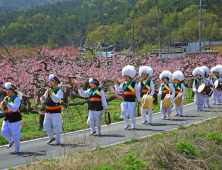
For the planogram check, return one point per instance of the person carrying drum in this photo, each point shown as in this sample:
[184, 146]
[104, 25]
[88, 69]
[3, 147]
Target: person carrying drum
[198, 97]
[179, 90]
[216, 77]
[130, 93]
[166, 88]
[146, 86]
[97, 101]
[207, 78]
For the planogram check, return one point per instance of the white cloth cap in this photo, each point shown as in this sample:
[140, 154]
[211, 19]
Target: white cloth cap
[54, 78]
[129, 71]
[146, 69]
[206, 70]
[167, 74]
[199, 71]
[92, 80]
[216, 69]
[9, 85]
[178, 75]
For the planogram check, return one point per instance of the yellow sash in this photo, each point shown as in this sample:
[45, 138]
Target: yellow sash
[130, 87]
[148, 87]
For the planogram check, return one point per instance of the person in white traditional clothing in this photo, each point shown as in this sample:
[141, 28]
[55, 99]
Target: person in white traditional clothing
[198, 97]
[146, 86]
[12, 123]
[216, 76]
[166, 88]
[130, 93]
[207, 78]
[178, 77]
[53, 116]
[97, 102]
[220, 66]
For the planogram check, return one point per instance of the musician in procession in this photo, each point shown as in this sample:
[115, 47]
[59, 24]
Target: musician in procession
[180, 89]
[216, 76]
[198, 97]
[166, 88]
[97, 102]
[53, 116]
[220, 66]
[130, 93]
[12, 123]
[207, 78]
[146, 86]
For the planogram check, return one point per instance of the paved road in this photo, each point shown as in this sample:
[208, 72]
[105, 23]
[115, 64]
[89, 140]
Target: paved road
[35, 150]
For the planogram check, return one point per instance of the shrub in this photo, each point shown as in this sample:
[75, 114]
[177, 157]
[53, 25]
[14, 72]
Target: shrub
[215, 135]
[185, 148]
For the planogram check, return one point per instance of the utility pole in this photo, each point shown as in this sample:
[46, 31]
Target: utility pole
[104, 33]
[200, 23]
[133, 43]
[158, 25]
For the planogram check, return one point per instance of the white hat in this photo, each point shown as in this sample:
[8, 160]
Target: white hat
[167, 74]
[216, 69]
[54, 78]
[220, 66]
[199, 71]
[129, 71]
[92, 80]
[146, 69]
[206, 70]
[178, 75]
[10, 86]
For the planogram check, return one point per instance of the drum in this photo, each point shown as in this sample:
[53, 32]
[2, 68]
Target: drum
[178, 100]
[218, 85]
[205, 90]
[167, 101]
[147, 101]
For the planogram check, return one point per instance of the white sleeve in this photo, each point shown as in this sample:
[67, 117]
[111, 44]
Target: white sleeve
[152, 88]
[83, 93]
[220, 79]
[56, 98]
[103, 97]
[205, 81]
[119, 88]
[172, 89]
[139, 85]
[194, 86]
[183, 88]
[160, 90]
[137, 92]
[15, 106]
[43, 101]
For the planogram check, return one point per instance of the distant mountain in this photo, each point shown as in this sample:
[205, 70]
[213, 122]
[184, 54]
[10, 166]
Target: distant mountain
[7, 6]
[77, 21]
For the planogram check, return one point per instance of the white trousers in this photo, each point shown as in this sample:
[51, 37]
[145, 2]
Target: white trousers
[216, 96]
[13, 129]
[128, 109]
[54, 119]
[163, 110]
[207, 100]
[95, 118]
[178, 109]
[150, 114]
[199, 100]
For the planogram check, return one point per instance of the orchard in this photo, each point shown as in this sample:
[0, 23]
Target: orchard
[30, 71]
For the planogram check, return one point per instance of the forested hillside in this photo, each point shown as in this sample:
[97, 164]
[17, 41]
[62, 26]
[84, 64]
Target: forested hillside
[64, 23]
[7, 6]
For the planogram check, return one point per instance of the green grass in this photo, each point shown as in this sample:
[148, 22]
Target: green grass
[76, 118]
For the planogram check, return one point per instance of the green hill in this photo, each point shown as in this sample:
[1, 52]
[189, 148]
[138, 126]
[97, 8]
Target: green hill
[7, 6]
[72, 22]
